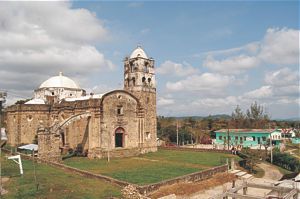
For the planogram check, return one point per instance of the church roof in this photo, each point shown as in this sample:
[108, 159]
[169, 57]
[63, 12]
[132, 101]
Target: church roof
[138, 52]
[35, 101]
[59, 81]
[95, 96]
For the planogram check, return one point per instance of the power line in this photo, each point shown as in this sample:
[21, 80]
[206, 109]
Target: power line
[12, 93]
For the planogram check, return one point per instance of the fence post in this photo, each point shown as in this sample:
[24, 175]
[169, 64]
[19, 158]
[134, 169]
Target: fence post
[232, 164]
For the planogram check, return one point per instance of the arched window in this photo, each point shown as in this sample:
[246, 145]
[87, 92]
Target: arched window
[133, 81]
[145, 69]
[143, 79]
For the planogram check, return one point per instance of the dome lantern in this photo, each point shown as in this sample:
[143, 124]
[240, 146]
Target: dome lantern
[138, 52]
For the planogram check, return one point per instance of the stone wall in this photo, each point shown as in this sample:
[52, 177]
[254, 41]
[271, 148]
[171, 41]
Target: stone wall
[193, 177]
[49, 141]
[95, 134]
[126, 119]
[149, 122]
[22, 122]
[195, 149]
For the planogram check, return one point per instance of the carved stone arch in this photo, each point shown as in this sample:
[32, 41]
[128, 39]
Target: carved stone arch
[120, 91]
[74, 118]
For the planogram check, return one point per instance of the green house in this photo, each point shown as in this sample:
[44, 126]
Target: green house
[247, 137]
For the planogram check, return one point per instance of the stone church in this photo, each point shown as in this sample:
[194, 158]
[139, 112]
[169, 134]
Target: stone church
[118, 123]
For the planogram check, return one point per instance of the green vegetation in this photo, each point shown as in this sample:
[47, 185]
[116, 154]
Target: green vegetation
[258, 172]
[53, 183]
[283, 171]
[286, 161]
[151, 167]
[201, 129]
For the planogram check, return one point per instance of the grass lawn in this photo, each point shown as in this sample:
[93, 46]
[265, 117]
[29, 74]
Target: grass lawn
[53, 183]
[151, 167]
[282, 170]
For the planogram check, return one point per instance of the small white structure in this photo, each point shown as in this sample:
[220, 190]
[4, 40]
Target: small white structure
[30, 147]
[3, 134]
[55, 89]
[17, 159]
[276, 135]
[287, 133]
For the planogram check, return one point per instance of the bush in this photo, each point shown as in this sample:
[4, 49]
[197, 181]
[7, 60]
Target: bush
[286, 161]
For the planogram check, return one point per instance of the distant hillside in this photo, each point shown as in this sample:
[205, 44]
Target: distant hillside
[294, 119]
[213, 117]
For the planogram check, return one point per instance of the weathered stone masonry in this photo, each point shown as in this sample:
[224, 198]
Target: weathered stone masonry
[121, 122]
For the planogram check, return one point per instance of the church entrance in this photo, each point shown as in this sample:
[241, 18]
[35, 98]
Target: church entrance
[119, 137]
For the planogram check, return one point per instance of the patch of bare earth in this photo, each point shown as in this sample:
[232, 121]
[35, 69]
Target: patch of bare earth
[185, 189]
[271, 172]
[3, 180]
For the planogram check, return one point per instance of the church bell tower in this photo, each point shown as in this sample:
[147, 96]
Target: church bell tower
[139, 72]
[139, 79]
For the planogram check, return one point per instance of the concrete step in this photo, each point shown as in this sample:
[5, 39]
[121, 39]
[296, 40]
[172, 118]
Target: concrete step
[247, 176]
[234, 171]
[241, 173]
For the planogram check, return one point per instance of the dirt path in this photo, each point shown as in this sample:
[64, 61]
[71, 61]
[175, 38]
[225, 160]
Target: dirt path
[271, 172]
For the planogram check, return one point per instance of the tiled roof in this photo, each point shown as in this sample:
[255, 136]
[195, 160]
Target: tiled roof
[245, 130]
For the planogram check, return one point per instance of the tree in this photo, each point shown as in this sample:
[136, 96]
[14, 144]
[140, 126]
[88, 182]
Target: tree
[256, 116]
[238, 117]
[22, 101]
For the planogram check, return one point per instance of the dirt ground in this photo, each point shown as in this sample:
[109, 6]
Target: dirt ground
[219, 184]
[186, 190]
[3, 181]
[271, 172]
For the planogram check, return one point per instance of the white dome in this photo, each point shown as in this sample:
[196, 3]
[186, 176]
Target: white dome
[59, 82]
[138, 52]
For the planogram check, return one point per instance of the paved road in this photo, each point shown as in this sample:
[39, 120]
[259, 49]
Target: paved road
[271, 172]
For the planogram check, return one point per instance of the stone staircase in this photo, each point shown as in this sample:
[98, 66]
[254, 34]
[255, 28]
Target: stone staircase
[241, 174]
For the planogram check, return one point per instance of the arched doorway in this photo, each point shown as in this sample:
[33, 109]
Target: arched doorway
[119, 137]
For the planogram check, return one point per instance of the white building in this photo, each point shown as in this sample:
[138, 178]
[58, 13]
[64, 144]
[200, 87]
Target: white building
[55, 89]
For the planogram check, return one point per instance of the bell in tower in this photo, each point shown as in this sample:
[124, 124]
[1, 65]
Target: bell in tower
[139, 72]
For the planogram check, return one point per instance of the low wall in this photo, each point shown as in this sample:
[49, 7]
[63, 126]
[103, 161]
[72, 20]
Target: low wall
[195, 149]
[146, 189]
[193, 177]
[75, 170]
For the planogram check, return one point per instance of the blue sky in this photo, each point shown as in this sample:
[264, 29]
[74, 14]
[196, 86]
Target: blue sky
[210, 56]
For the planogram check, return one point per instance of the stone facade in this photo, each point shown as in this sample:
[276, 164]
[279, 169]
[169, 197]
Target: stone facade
[120, 122]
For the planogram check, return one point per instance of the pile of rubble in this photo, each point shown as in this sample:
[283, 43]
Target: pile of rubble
[131, 192]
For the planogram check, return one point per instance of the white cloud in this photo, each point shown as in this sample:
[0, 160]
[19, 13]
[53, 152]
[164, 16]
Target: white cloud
[217, 102]
[287, 91]
[282, 77]
[164, 101]
[262, 92]
[39, 39]
[205, 81]
[177, 69]
[100, 89]
[231, 65]
[248, 48]
[280, 46]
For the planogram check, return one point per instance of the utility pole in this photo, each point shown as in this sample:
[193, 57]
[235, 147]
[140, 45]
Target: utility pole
[227, 137]
[177, 133]
[2, 100]
[271, 146]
